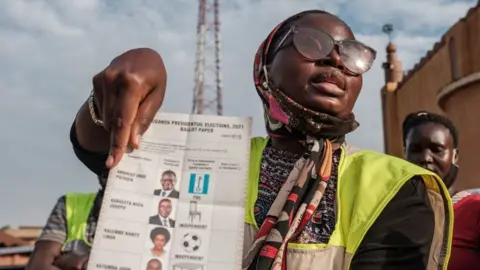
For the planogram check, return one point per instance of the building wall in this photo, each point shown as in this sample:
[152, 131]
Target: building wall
[445, 81]
[25, 233]
[21, 237]
[13, 260]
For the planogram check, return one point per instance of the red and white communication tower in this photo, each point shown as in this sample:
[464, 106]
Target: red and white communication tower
[207, 93]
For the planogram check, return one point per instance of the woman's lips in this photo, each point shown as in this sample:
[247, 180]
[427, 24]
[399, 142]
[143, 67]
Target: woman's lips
[328, 88]
[332, 83]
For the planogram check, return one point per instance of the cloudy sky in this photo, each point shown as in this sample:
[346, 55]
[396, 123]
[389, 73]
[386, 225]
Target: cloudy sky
[51, 48]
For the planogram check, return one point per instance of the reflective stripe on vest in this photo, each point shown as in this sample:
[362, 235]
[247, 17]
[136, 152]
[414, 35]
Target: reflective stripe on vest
[77, 210]
[366, 187]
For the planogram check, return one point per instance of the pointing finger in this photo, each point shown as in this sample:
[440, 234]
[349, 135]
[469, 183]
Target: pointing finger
[111, 81]
[145, 115]
[124, 114]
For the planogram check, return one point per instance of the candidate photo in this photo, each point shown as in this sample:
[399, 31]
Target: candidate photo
[168, 180]
[159, 237]
[162, 218]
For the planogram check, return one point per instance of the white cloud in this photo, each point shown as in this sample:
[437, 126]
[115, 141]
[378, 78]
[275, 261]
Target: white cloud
[50, 50]
[411, 15]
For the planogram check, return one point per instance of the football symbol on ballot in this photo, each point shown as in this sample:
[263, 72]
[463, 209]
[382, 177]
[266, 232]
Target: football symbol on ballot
[191, 242]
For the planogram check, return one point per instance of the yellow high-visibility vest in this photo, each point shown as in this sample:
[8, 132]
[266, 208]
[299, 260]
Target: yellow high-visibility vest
[367, 181]
[77, 209]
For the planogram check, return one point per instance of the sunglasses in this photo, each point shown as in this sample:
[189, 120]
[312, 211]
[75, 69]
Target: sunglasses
[314, 45]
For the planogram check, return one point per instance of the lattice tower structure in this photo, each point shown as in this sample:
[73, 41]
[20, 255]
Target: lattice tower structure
[207, 92]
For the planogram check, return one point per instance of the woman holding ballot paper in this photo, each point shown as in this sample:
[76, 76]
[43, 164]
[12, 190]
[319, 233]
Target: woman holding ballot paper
[314, 201]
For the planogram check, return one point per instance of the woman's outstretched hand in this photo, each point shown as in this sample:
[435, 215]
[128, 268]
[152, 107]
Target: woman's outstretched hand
[128, 94]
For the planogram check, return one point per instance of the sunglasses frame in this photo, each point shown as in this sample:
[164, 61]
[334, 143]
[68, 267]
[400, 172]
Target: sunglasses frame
[336, 43]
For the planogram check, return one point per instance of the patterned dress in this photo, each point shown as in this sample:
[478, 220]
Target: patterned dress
[275, 167]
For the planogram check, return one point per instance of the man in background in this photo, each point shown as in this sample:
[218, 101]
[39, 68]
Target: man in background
[168, 181]
[67, 237]
[163, 216]
[431, 141]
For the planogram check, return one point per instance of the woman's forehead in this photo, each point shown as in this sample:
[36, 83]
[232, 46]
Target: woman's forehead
[328, 23]
[431, 132]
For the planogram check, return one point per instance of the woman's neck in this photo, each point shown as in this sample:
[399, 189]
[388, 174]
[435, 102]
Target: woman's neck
[294, 145]
[157, 252]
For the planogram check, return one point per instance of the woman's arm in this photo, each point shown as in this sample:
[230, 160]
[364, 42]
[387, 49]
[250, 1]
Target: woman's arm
[94, 161]
[127, 94]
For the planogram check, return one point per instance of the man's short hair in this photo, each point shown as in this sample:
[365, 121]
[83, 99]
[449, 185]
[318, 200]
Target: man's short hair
[155, 261]
[169, 172]
[164, 200]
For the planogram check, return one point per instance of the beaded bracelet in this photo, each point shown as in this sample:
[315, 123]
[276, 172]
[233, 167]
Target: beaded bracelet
[94, 110]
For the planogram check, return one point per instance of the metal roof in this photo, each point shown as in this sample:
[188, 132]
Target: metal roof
[13, 267]
[13, 250]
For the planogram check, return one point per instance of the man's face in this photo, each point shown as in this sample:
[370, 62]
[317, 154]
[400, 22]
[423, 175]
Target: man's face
[164, 208]
[168, 181]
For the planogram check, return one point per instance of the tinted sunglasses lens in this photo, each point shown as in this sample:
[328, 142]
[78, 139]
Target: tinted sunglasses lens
[356, 57]
[311, 43]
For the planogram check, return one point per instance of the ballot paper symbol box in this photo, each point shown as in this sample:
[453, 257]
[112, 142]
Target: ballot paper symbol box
[199, 184]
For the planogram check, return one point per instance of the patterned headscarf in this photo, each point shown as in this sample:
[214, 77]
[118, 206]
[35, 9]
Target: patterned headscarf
[283, 116]
[302, 192]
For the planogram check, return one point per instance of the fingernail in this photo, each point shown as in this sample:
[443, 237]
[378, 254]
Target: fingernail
[129, 149]
[138, 140]
[109, 162]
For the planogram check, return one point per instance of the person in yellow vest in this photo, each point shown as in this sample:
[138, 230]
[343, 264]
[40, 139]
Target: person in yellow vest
[67, 237]
[314, 202]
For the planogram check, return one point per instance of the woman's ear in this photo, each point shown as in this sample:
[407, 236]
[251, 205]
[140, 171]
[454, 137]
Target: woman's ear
[455, 157]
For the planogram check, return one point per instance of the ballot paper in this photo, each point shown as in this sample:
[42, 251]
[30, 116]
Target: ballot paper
[177, 202]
